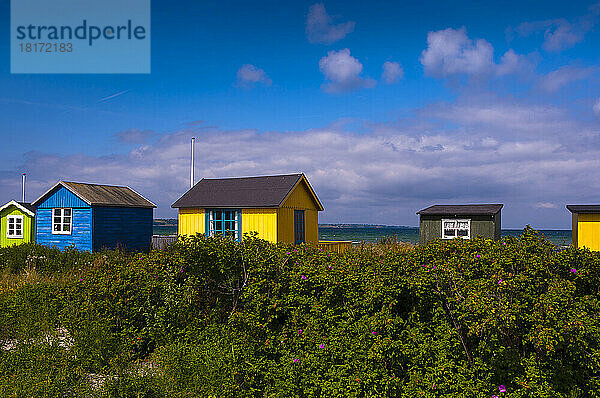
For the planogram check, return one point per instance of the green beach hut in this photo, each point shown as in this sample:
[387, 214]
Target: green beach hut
[17, 223]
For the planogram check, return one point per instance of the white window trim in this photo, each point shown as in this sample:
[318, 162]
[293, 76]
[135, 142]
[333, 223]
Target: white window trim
[457, 220]
[8, 229]
[62, 223]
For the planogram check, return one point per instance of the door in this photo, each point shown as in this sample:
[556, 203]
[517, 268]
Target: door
[298, 226]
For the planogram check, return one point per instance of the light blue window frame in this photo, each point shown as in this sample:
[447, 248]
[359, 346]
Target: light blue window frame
[224, 222]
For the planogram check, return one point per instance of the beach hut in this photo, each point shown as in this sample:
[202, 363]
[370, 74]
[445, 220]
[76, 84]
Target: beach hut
[92, 217]
[17, 223]
[459, 221]
[280, 208]
[585, 225]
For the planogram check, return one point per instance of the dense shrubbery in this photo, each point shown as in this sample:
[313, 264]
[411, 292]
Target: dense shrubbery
[209, 317]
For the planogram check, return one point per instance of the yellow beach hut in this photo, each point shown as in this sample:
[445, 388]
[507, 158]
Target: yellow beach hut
[585, 226]
[280, 208]
[17, 223]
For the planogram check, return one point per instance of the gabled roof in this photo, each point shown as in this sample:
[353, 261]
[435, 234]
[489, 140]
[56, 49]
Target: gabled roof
[243, 192]
[102, 195]
[584, 208]
[462, 210]
[26, 208]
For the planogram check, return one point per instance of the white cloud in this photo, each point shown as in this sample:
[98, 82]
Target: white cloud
[249, 75]
[561, 34]
[382, 176]
[545, 205]
[321, 29]
[392, 72]
[561, 77]
[597, 107]
[134, 136]
[342, 72]
[451, 51]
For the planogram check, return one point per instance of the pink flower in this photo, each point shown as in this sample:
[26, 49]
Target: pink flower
[296, 360]
[304, 278]
[299, 331]
[80, 280]
[321, 345]
[477, 256]
[504, 243]
[573, 271]
[500, 281]
[374, 333]
[495, 396]
[501, 388]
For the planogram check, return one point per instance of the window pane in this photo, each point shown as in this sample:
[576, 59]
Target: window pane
[218, 215]
[57, 220]
[448, 224]
[218, 226]
[57, 212]
[462, 225]
[66, 227]
[67, 212]
[449, 232]
[57, 227]
[66, 220]
[463, 232]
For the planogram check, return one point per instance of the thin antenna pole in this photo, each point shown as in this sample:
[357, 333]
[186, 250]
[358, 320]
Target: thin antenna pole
[23, 196]
[192, 165]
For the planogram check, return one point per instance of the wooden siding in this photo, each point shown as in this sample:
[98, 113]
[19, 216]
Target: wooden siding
[300, 198]
[588, 231]
[28, 227]
[62, 197]
[285, 225]
[430, 227]
[574, 229]
[81, 236]
[125, 227]
[334, 245]
[191, 221]
[262, 221]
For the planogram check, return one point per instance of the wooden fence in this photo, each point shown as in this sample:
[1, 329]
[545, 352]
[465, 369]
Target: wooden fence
[160, 242]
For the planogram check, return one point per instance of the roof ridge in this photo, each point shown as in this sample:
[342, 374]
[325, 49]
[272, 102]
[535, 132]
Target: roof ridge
[261, 176]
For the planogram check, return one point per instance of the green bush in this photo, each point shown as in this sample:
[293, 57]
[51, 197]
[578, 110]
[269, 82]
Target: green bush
[220, 318]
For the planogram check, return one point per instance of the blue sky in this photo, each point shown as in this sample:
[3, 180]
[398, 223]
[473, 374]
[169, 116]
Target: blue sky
[387, 107]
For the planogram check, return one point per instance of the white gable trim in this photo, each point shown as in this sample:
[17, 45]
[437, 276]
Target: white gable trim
[16, 204]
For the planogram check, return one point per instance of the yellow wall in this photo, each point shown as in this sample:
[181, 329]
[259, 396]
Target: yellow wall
[299, 199]
[574, 229]
[191, 221]
[28, 227]
[263, 221]
[588, 231]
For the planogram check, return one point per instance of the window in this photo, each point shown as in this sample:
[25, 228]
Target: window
[62, 221]
[224, 223]
[14, 227]
[298, 226]
[456, 229]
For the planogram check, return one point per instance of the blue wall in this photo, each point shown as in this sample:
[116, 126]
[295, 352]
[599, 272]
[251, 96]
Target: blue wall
[126, 227]
[81, 236]
[62, 197]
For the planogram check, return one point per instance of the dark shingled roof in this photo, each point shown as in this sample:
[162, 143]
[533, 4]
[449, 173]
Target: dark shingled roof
[241, 192]
[103, 195]
[28, 206]
[584, 208]
[462, 210]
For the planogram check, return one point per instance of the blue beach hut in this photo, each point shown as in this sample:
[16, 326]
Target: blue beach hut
[92, 217]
